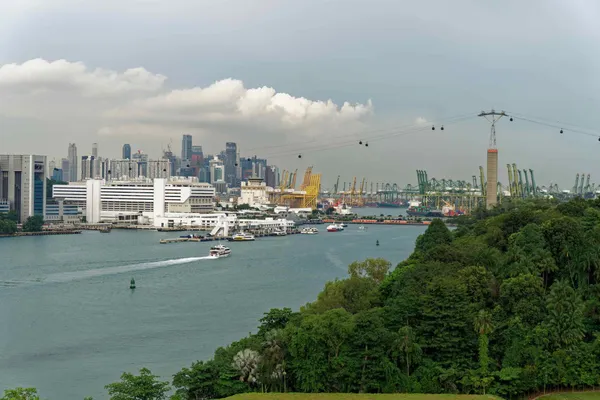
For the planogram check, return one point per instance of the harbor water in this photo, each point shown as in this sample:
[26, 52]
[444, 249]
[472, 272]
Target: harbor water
[70, 323]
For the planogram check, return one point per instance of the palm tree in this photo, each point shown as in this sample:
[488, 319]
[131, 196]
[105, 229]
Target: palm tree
[246, 363]
[405, 343]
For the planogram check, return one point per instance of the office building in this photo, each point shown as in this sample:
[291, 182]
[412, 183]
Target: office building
[4, 206]
[95, 150]
[57, 175]
[51, 167]
[126, 152]
[186, 147]
[144, 198]
[64, 163]
[272, 176]
[254, 193]
[217, 170]
[87, 167]
[23, 184]
[73, 161]
[60, 212]
[230, 164]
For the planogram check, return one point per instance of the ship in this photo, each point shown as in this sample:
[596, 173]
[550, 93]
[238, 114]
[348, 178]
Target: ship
[415, 209]
[391, 204]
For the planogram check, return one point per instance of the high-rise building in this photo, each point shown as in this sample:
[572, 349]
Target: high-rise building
[64, 163]
[95, 150]
[57, 175]
[73, 161]
[87, 167]
[126, 152]
[23, 184]
[51, 167]
[197, 160]
[230, 161]
[142, 162]
[217, 170]
[158, 169]
[271, 176]
[122, 169]
[186, 147]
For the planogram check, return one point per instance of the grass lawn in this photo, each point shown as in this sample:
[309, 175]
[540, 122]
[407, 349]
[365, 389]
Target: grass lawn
[572, 396]
[349, 396]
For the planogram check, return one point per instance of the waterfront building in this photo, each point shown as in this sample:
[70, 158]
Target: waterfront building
[126, 200]
[186, 147]
[23, 184]
[87, 166]
[60, 212]
[126, 152]
[4, 206]
[73, 171]
[254, 192]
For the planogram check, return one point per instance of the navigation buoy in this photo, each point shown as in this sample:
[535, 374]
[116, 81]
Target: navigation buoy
[132, 284]
[377, 243]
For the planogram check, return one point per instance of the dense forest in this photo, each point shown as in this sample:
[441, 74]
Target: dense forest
[508, 303]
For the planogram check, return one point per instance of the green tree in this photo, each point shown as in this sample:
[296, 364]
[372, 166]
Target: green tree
[33, 224]
[10, 216]
[372, 268]
[565, 316]
[20, 394]
[144, 386]
[437, 233]
[407, 346]
[7, 227]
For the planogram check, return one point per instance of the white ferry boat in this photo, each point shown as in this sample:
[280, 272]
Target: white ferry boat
[242, 237]
[219, 251]
[280, 233]
[335, 228]
[309, 231]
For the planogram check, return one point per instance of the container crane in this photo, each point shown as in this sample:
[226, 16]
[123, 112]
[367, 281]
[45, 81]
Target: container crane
[516, 179]
[576, 184]
[527, 186]
[293, 183]
[581, 183]
[335, 187]
[533, 186]
[521, 191]
[482, 181]
[511, 186]
[353, 191]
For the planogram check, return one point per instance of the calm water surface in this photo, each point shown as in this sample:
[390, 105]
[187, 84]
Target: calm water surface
[70, 324]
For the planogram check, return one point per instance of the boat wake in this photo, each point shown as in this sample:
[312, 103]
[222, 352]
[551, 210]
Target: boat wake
[92, 273]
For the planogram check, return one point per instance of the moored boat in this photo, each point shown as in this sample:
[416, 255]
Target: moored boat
[309, 231]
[242, 237]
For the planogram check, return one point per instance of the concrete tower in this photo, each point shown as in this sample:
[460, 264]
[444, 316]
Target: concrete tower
[492, 158]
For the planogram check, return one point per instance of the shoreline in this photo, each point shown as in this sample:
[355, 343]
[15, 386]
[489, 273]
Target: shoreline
[42, 233]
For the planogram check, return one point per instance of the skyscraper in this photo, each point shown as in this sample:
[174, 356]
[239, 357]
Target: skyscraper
[230, 161]
[95, 150]
[73, 162]
[126, 152]
[23, 184]
[186, 147]
[64, 165]
[142, 161]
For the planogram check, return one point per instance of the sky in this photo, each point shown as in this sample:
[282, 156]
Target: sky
[311, 78]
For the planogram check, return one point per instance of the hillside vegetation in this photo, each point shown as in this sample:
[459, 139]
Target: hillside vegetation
[507, 304]
[354, 396]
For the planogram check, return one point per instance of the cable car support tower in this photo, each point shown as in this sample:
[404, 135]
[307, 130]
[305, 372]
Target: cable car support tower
[492, 157]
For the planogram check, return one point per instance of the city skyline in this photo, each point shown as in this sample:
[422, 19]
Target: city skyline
[408, 64]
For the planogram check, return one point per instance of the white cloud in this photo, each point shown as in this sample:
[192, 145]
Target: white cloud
[39, 75]
[228, 101]
[421, 121]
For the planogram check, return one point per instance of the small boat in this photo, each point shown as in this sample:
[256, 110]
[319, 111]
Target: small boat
[132, 284]
[344, 225]
[190, 236]
[361, 228]
[309, 231]
[335, 228]
[242, 237]
[219, 251]
[279, 233]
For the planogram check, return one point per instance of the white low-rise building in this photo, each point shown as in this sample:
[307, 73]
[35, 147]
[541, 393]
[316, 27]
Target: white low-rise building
[254, 193]
[102, 201]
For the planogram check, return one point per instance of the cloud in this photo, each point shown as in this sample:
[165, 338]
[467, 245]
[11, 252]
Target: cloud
[228, 101]
[39, 75]
[138, 101]
[421, 121]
